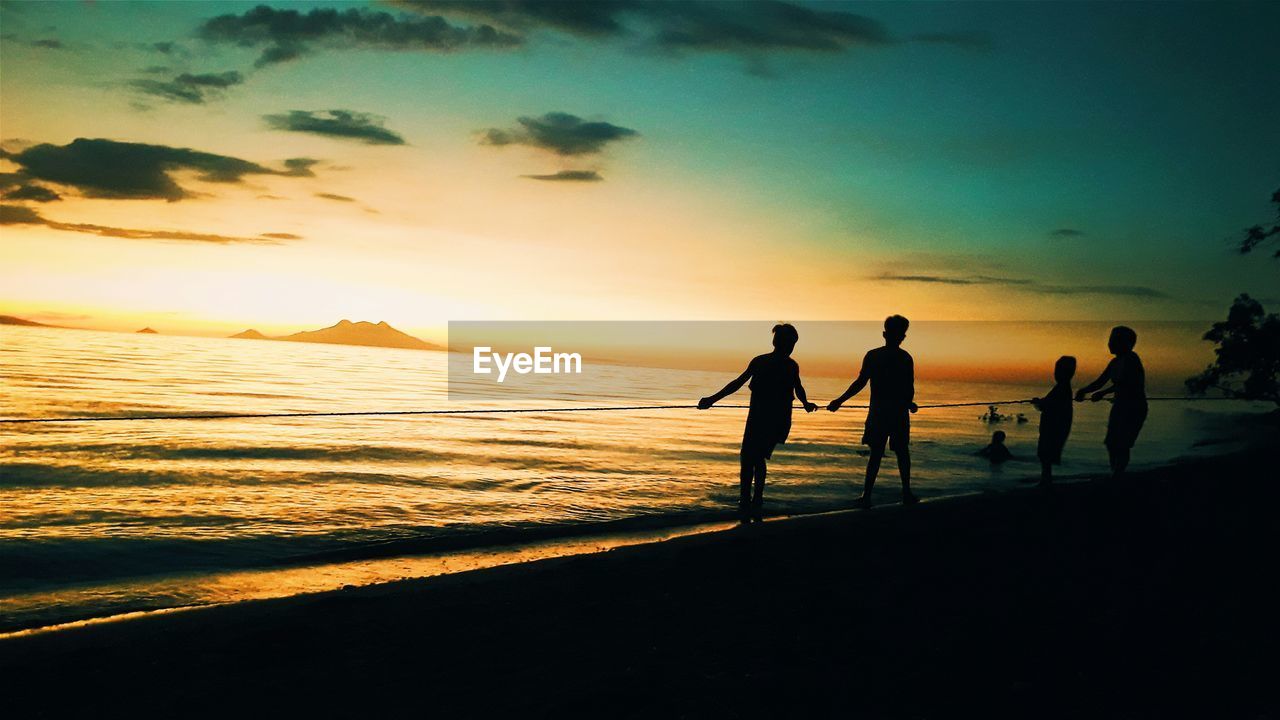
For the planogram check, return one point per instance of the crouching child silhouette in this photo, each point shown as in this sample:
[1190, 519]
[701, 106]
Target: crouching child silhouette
[1055, 418]
[891, 372]
[775, 381]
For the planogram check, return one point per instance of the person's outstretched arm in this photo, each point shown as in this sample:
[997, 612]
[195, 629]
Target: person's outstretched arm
[733, 387]
[1103, 379]
[854, 388]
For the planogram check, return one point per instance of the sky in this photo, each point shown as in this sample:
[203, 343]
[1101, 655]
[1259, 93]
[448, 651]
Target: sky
[205, 167]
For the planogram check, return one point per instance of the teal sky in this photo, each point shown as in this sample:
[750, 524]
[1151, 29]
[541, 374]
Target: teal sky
[975, 160]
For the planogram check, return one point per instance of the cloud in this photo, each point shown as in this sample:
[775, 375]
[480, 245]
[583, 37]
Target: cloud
[954, 280]
[109, 169]
[299, 167]
[344, 124]
[286, 35]
[568, 176]
[338, 198]
[189, 88]
[694, 25]
[1134, 291]
[561, 133]
[18, 215]
[1064, 233]
[22, 215]
[36, 193]
[1030, 285]
[48, 44]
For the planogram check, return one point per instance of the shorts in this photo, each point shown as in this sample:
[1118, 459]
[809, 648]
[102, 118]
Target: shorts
[893, 428]
[1124, 425]
[760, 437]
[1049, 449]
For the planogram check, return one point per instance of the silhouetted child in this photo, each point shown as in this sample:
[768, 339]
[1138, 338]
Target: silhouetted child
[1055, 418]
[996, 452]
[775, 381]
[1129, 408]
[891, 372]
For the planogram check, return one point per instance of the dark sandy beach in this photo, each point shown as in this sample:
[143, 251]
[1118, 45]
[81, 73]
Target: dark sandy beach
[1152, 597]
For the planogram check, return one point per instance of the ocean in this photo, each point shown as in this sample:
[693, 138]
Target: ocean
[100, 519]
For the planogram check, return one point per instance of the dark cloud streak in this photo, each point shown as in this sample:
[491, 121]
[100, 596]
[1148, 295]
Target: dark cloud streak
[742, 27]
[334, 197]
[102, 168]
[189, 88]
[20, 215]
[748, 28]
[342, 124]
[568, 176]
[35, 193]
[286, 35]
[1132, 291]
[560, 133]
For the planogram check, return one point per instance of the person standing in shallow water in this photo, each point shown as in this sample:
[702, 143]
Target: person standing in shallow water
[891, 372]
[775, 381]
[1129, 406]
[1055, 418]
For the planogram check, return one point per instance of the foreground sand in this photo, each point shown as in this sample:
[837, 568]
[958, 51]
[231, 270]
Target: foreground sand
[1151, 598]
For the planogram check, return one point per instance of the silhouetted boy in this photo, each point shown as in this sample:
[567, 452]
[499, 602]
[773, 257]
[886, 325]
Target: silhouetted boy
[775, 381]
[997, 452]
[1129, 407]
[891, 372]
[1055, 418]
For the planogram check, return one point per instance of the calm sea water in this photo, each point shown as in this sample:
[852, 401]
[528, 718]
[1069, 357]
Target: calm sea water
[108, 517]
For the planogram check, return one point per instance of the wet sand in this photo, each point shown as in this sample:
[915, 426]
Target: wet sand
[1148, 598]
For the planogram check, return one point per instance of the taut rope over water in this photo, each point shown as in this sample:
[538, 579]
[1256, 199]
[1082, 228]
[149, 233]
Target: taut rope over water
[475, 411]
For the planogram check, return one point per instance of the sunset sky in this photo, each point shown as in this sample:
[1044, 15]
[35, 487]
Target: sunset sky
[207, 167]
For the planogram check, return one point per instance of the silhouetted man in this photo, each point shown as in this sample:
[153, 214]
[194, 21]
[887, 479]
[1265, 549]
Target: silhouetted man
[891, 372]
[1129, 408]
[775, 382]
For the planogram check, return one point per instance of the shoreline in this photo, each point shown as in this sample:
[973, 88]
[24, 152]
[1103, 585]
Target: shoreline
[434, 556]
[423, 558]
[992, 602]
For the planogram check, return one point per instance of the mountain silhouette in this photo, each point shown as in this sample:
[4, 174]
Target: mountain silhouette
[365, 334]
[11, 320]
[147, 331]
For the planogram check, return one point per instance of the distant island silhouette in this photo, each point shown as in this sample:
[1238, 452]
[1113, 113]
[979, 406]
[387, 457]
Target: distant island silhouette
[361, 333]
[345, 332]
[11, 320]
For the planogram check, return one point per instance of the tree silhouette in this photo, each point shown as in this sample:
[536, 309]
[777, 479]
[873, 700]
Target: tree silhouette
[1258, 234]
[1248, 354]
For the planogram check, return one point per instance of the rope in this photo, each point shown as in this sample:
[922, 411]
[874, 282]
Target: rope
[478, 411]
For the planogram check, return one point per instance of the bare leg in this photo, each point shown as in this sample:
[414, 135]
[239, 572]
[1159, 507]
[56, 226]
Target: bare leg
[757, 498]
[904, 469]
[873, 469]
[1119, 460]
[744, 487]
